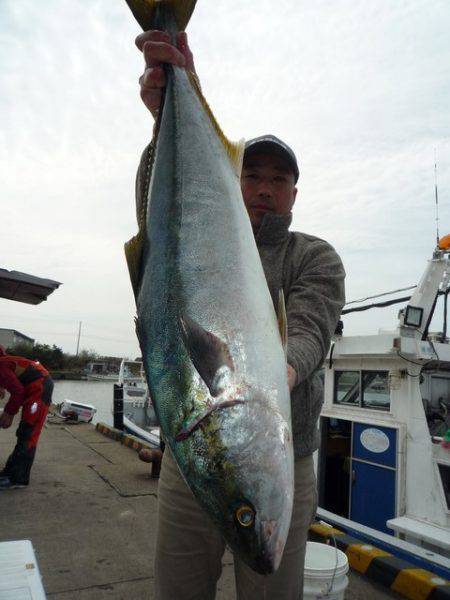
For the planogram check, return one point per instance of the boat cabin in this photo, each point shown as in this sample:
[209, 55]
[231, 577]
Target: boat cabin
[384, 458]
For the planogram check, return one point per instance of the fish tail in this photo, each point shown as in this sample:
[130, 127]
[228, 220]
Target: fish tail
[152, 14]
[166, 14]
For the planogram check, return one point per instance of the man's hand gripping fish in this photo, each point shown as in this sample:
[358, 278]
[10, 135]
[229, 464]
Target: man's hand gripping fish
[210, 340]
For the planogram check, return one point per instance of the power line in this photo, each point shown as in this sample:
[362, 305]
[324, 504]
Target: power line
[411, 287]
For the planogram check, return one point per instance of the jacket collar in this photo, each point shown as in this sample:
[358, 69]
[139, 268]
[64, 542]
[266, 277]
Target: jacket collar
[274, 229]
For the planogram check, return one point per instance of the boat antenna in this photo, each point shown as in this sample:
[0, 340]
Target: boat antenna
[436, 199]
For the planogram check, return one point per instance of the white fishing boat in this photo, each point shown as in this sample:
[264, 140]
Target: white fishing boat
[138, 416]
[100, 371]
[384, 461]
[100, 377]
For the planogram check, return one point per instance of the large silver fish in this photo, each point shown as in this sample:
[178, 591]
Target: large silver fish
[207, 328]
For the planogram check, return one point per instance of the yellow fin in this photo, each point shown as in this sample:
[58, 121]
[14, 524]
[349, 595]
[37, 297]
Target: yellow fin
[235, 150]
[282, 320]
[133, 253]
[144, 12]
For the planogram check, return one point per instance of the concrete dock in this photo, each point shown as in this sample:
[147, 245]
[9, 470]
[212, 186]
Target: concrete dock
[90, 514]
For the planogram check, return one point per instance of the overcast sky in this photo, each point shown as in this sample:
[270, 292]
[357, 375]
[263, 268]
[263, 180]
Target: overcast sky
[360, 90]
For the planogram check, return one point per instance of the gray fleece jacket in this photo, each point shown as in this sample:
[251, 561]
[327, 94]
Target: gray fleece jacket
[312, 277]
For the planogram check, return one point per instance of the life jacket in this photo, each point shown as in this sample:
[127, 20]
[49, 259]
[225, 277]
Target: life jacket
[26, 370]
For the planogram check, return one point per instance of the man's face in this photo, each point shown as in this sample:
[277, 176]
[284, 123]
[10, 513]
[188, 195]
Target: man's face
[268, 186]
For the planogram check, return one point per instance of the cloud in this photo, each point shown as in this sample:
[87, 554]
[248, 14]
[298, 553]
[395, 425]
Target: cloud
[360, 89]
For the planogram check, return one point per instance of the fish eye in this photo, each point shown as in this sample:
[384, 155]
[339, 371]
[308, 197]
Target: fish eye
[245, 515]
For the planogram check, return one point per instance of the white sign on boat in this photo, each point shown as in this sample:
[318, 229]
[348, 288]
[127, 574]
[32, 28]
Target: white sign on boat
[374, 440]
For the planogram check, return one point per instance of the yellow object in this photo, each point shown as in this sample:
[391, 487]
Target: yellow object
[444, 243]
[416, 584]
[325, 530]
[235, 150]
[361, 555]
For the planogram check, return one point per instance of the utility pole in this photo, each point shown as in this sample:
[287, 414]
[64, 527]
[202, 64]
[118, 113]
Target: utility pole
[78, 341]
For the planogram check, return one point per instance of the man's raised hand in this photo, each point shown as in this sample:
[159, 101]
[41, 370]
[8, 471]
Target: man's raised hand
[157, 49]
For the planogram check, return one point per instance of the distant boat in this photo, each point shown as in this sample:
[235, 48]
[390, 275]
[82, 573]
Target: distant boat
[101, 371]
[139, 416]
[100, 377]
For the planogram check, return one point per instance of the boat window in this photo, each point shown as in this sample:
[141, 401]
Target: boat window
[346, 387]
[375, 390]
[435, 391]
[365, 389]
[444, 471]
[132, 370]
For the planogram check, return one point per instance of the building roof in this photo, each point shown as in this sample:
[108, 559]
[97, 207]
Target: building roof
[15, 332]
[25, 288]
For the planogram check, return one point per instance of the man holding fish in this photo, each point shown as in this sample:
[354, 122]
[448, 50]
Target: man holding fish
[226, 423]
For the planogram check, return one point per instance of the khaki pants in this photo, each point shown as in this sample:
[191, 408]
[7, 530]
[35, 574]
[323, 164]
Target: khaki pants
[189, 549]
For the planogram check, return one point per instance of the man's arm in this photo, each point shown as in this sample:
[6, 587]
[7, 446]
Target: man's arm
[314, 304]
[9, 381]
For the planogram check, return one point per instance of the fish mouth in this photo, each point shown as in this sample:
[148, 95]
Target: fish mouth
[267, 564]
[269, 561]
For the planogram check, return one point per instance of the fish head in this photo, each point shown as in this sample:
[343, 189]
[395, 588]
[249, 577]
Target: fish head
[258, 492]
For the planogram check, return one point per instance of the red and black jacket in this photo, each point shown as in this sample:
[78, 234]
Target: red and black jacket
[16, 375]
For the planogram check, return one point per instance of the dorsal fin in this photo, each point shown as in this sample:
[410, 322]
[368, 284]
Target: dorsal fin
[235, 150]
[209, 354]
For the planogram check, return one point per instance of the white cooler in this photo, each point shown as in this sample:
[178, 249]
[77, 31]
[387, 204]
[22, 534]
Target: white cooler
[19, 573]
[84, 412]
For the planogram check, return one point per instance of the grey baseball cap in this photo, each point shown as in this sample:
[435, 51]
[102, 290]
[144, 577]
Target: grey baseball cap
[273, 145]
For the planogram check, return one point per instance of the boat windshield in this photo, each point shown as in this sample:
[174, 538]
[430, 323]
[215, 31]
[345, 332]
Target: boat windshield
[364, 389]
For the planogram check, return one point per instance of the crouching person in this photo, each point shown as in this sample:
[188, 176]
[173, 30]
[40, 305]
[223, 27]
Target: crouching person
[30, 387]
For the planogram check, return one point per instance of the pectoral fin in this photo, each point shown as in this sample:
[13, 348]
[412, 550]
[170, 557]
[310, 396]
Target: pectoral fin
[186, 431]
[282, 320]
[209, 354]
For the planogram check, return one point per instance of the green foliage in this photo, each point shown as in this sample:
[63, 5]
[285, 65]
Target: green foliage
[80, 361]
[52, 357]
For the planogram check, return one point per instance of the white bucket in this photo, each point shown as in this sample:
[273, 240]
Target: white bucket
[325, 575]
